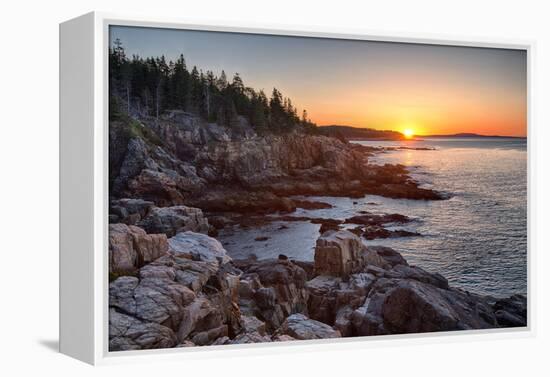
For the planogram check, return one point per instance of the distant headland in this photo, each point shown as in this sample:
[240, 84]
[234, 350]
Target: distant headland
[359, 133]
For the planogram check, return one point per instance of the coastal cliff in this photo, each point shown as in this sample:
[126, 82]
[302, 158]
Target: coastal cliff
[176, 180]
[180, 158]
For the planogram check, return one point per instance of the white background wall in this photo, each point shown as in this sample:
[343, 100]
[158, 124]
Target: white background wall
[29, 188]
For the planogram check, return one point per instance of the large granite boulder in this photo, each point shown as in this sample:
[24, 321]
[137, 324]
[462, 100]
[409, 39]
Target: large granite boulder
[156, 186]
[301, 327]
[193, 274]
[419, 274]
[397, 306]
[130, 247]
[338, 253]
[173, 220]
[389, 255]
[199, 247]
[341, 253]
[129, 333]
[151, 299]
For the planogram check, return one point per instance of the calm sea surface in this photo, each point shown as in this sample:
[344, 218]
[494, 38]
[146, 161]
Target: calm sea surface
[477, 239]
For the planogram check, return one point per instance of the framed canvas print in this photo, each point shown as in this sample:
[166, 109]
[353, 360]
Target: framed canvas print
[227, 188]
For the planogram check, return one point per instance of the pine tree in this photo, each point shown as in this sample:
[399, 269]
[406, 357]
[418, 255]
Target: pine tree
[211, 92]
[148, 87]
[181, 86]
[196, 91]
[222, 81]
[304, 117]
[276, 111]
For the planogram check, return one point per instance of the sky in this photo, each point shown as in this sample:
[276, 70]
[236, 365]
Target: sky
[429, 89]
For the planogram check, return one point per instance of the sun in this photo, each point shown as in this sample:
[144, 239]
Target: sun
[409, 133]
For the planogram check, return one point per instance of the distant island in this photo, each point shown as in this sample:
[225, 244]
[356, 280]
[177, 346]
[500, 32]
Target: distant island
[358, 133]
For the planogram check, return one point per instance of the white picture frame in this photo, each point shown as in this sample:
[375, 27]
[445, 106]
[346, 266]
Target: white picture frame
[84, 191]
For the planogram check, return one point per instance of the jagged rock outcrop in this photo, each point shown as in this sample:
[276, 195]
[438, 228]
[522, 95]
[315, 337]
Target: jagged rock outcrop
[193, 294]
[388, 296]
[178, 158]
[338, 253]
[139, 166]
[259, 162]
[201, 322]
[172, 220]
[272, 290]
[188, 295]
[129, 211]
[341, 253]
[130, 247]
[157, 186]
[328, 295]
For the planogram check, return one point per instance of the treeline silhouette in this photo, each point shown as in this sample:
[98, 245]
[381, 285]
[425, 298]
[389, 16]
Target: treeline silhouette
[148, 87]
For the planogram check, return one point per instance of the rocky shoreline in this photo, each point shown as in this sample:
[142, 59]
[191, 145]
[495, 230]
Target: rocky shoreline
[186, 291]
[176, 181]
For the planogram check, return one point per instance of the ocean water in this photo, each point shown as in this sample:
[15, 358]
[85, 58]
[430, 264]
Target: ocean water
[477, 239]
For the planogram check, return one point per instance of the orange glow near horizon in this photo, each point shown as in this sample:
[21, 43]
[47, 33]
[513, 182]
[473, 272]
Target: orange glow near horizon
[444, 98]
[427, 109]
